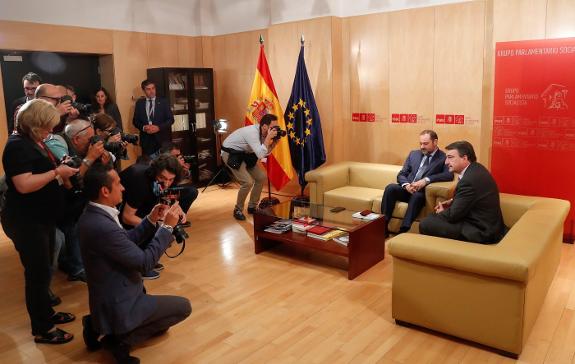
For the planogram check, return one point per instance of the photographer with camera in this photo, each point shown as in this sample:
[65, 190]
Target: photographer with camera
[56, 95]
[242, 150]
[144, 186]
[74, 148]
[34, 200]
[106, 130]
[119, 306]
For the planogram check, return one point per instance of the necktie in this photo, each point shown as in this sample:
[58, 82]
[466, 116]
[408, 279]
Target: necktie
[150, 110]
[422, 168]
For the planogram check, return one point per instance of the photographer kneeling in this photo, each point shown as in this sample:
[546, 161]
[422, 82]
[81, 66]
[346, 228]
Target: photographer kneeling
[145, 184]
[241, 151]
[119, 306]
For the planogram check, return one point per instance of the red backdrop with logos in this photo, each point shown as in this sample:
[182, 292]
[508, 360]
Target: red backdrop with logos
[534, 120]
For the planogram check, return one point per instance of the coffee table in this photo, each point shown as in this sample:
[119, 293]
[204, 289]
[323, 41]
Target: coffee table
[366, 245]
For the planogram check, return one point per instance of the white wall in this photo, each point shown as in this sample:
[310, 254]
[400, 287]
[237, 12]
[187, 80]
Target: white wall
[192, 17]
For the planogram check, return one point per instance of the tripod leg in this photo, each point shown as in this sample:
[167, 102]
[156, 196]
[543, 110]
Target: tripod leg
[214, 178]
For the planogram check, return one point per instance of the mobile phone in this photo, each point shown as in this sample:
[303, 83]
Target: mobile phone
[337, 209]
[365, 212]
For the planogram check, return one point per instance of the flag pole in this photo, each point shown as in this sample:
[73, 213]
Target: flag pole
[268, 201]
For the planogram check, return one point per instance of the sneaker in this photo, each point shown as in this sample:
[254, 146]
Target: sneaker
[251, 210]
[151, 275]
[159, 267]
[239, 215]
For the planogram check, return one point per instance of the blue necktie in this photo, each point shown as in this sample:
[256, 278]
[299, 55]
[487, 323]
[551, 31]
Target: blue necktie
[422, 168]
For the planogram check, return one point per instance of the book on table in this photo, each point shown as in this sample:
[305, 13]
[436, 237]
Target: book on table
[324, 233]
[279, 227]
[371, 216]
[302, 225]
[343, 239]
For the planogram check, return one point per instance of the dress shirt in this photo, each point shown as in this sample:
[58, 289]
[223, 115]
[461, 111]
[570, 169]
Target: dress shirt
[112, 211]
[247, 139]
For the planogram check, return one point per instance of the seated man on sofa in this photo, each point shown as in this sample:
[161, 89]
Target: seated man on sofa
[422, 166]
[474, 213]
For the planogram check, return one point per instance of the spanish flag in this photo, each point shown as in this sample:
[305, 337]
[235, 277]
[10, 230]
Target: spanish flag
[264, 100]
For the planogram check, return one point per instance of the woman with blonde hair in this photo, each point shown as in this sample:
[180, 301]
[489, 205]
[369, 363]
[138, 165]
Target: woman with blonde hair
[34, 198]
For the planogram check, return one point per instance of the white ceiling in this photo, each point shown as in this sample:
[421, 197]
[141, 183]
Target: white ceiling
[193, 17]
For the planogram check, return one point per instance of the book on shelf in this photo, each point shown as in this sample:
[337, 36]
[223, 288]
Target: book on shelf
[279, 227]
[342, 239]
[328, 235]
[370, 216]
[303, 224]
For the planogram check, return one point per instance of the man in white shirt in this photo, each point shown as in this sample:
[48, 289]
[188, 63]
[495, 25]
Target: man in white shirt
[241, 151]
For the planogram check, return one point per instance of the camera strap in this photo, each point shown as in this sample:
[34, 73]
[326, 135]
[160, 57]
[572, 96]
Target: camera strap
[177, 255]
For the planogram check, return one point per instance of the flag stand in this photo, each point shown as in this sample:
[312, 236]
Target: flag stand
[268, 201]
[301, 199]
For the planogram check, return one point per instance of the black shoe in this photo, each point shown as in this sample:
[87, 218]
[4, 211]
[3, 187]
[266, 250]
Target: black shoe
[159, 267]
[90, 335]
[403, 229]
[120, 351]
[239, 215]
[54, 300]
[151, 275]
[78, 277]
[252, 210]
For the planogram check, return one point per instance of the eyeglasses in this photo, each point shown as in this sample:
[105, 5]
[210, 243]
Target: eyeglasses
[82, 130]
[57, 99]
[30, 88]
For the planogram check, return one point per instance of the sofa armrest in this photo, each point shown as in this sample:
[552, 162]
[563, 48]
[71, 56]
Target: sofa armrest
[486, 260]
[325, 179]
[438, 192]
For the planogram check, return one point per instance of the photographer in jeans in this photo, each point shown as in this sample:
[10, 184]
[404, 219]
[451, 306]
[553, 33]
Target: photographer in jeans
[119, 306]
[143, 182]
[241, 151]
[34, 198]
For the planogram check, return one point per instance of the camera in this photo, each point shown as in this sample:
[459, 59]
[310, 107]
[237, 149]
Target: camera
[169, 196]
[189, 158]
[281, 133]
[116, 148]
[82, 108]
[128, 138]
[76, 180]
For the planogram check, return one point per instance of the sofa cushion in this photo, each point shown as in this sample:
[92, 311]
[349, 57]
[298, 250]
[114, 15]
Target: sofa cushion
[373, 175]
[352, 197]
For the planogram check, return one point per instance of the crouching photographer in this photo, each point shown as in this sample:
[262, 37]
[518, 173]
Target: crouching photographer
[119, 306]
[115, 141]
[144, 185]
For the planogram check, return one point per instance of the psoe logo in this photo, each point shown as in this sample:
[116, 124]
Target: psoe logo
[555, 96]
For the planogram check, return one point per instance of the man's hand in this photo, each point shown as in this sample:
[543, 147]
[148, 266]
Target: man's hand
[95, 150]
[409, 188]
[173, 215]
[73, 114]
[419, 184]
[442, 206]
[151, 129]
[272, 133]
[158, 213]
[65, 107]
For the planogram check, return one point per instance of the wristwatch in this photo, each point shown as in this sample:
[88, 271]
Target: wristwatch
[87, 162]
[168, 227]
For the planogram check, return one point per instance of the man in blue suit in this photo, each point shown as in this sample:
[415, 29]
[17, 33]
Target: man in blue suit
[421, 167]
[119, 305]
[154, 118]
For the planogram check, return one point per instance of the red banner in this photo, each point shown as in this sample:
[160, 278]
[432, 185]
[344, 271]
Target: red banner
[534, 120]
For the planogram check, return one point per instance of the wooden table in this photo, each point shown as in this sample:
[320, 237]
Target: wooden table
[366, 245]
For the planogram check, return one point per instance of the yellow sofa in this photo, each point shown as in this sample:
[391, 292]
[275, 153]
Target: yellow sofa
[489, 294]
[359, 186]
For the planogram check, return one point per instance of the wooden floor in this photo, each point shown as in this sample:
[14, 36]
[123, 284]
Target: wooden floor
[279, 306]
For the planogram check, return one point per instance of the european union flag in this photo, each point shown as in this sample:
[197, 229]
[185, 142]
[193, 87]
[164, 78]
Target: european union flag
[303, 124]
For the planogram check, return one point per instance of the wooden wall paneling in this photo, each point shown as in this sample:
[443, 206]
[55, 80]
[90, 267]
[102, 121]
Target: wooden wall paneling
[130, 65]
[189, 51]
[54, 38]
[3, 115]
[162, 50]
[411, 55]
[458, 64]
[369, 88]
[488, 87]
[107, 74]
[560, 20]
[519, 19]
[340, 93]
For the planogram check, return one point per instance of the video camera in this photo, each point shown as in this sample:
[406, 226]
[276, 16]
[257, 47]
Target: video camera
[82, 108]
[281, 133]
[169, 196]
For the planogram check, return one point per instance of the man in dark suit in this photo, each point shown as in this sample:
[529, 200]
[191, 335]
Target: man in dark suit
[474, 213]
[30, 82]
[119, 306]
[421, 167]
[154, 118]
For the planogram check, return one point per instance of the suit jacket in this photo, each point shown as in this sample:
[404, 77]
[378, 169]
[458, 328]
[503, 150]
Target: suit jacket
[113, 263]
[163, 118]
[476, 206]
[436, 172]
